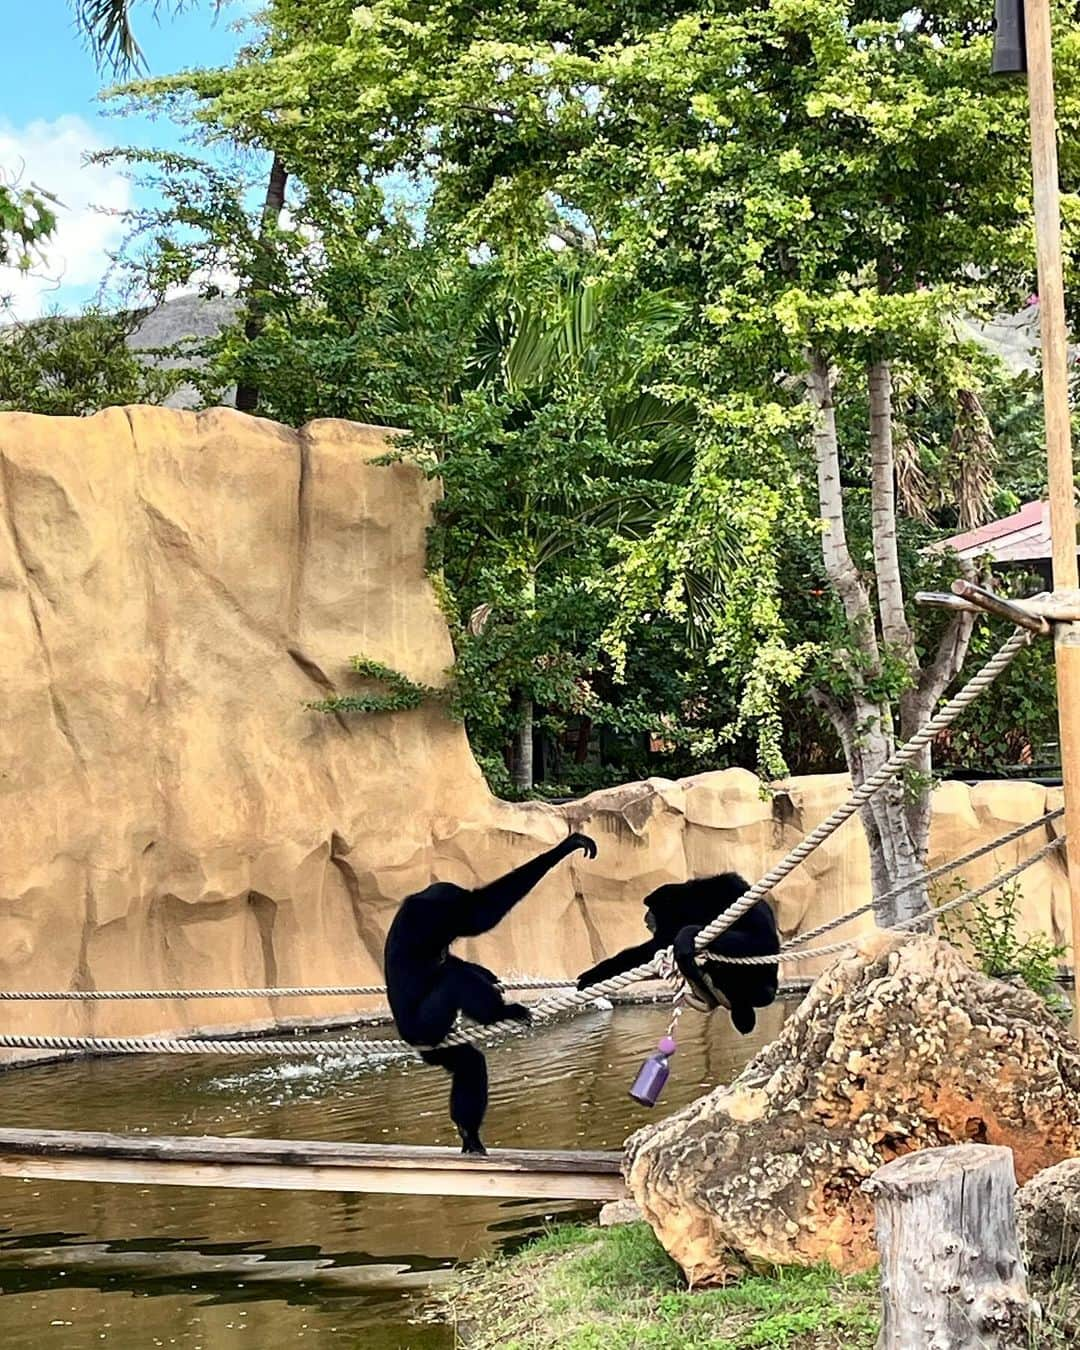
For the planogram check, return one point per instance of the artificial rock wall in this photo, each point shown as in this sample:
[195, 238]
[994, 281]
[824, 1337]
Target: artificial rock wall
[173, 588]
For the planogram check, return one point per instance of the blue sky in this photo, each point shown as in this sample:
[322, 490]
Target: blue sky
[50, 118]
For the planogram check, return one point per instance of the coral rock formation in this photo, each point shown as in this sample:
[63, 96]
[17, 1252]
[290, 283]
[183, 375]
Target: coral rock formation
[899, 1046]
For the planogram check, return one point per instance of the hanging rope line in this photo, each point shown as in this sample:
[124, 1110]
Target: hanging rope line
[168, 1045]
[558, 1003]
[929, 916]
[938, 872]
[982, 680]
[384, 1050]
[897, 761]
[287, 991]
[787, 952]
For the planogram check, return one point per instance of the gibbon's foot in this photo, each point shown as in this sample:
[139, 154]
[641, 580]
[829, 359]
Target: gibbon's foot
[517, 1012]
[743, 1018]
[470, 1143]
[583, 842]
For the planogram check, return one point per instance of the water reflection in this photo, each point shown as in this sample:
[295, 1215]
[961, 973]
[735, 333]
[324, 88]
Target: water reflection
[84, 1264]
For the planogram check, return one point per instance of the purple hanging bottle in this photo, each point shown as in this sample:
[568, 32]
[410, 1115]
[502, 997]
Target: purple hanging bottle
[653, 1074]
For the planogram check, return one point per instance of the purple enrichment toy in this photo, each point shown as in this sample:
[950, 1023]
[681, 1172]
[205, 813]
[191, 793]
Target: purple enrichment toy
[653, 1074]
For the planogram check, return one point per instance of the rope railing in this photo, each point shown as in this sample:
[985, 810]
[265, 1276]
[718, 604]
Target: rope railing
[898, 760]
[558, 1003]
[386, 1049]
[787, 950]
[285, 991]
[928, 916]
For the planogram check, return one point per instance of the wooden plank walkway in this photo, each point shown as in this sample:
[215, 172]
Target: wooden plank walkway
[308, 1165]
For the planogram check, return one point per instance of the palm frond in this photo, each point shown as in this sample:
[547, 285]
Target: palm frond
[971, 461]
[913, 486]
[106, 25]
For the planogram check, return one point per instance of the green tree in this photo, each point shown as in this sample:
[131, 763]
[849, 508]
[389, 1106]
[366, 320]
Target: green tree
[829, 182]
[27, 219]
[527, 390]
[70, 366]
[28, 215]
[825, 185]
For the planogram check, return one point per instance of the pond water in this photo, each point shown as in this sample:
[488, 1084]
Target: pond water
[134, 1267]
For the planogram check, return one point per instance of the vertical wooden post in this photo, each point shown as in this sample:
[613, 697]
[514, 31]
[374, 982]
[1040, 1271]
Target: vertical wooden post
[952, 1277]
[1055, 374]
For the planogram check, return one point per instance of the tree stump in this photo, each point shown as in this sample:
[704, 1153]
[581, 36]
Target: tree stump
[951, 1273]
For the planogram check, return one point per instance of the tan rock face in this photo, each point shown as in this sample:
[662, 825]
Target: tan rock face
[899, 1046]
[173, 588]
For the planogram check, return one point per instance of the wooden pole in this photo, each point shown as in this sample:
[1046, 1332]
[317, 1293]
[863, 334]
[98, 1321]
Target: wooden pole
[1055, 374]
[952, 1277]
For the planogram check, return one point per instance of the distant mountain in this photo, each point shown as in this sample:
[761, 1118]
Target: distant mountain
[188, 318]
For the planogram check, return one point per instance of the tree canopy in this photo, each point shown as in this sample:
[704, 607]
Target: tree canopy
[670, 297]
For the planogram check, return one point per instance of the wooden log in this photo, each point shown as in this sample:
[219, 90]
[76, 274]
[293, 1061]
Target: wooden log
[952, 1277]
[299, 1164]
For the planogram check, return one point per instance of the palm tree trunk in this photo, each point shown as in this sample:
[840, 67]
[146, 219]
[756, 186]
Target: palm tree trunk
[523, 745]
[523, 740]
[247, 392]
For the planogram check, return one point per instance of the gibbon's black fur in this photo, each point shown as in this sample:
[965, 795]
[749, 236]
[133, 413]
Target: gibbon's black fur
[428, 988]
[675, 915]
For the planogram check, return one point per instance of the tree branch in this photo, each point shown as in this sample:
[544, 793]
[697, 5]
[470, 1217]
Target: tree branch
[894, 625]
[949, 658]
[952, 650]
[843, 724]
[839, 567]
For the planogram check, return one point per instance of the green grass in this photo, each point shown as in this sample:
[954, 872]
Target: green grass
[579, 1288]
[616, 1289]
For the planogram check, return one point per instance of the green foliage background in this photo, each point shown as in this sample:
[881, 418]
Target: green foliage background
[580, 251]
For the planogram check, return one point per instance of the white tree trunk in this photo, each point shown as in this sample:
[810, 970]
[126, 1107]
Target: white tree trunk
[523, 746]
[951, 1273]
[897, 821]
[894, 625]
[865, 727]
[839, 567]
[523, 742]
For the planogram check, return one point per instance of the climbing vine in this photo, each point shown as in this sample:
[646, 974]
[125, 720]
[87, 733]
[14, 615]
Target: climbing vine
[402, 694]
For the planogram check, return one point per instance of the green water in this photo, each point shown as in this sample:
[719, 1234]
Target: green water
[135, 1267]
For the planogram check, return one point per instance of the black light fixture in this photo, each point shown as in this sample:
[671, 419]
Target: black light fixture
[1010, 53]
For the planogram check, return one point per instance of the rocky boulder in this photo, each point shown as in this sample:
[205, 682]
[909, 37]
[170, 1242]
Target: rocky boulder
[899, 1046]
[1048, 1209]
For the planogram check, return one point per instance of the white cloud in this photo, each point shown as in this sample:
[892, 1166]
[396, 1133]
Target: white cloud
[51, 155]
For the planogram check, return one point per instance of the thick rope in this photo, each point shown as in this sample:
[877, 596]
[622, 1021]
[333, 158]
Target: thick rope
[927, 917]
[1000, 661]
[925, 880]
[377, 1050]
[551, 1007]
[559, 1003]
[298, 991]
[168, 1045]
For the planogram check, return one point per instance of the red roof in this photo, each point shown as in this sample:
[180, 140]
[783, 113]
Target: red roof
[1023, 537]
